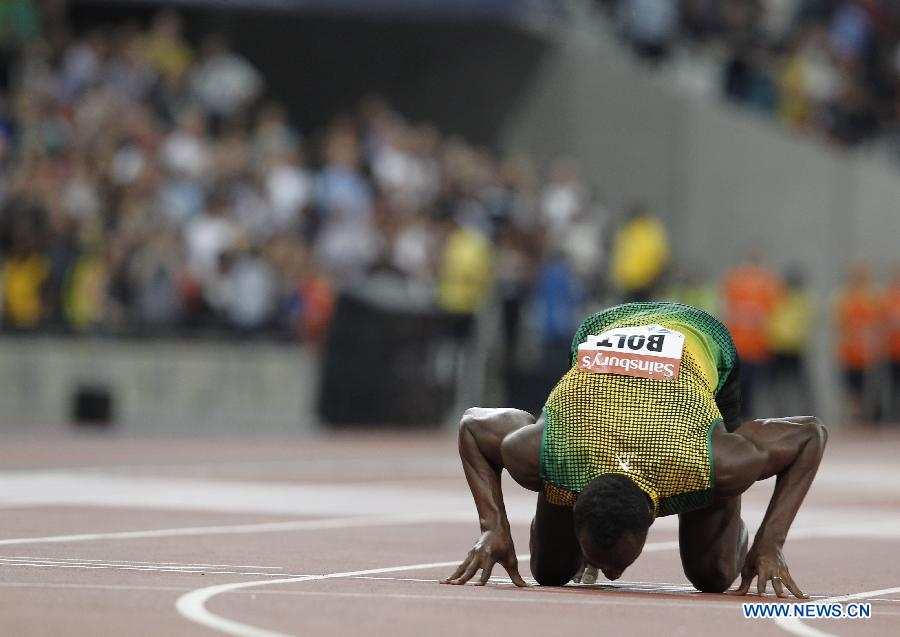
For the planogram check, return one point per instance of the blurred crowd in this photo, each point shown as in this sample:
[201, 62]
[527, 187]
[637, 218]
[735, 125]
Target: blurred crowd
[148, 184]
[830, 67]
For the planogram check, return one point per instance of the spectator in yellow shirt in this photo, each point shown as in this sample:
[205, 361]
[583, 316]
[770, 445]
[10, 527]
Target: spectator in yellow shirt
[640, 255]
[24, 273]
[464, 275]
[166, 51]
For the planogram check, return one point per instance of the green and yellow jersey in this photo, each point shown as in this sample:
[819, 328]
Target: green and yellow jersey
[655, 431]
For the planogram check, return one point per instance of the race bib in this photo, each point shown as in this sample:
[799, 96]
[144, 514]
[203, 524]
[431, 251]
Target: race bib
[646, 351]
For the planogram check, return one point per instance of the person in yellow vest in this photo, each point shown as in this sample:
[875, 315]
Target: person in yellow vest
[24, 272]
[645, 423]
[464, 276]
[640, 255]
[165, 50]
[84, 298]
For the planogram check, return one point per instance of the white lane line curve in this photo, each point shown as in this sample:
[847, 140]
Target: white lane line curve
[227, 529]
[795, 626]
[192, 605]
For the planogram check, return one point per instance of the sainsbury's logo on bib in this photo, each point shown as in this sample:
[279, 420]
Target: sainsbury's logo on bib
[646, 351]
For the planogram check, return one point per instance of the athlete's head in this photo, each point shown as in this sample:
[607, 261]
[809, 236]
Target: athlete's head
[612, 516]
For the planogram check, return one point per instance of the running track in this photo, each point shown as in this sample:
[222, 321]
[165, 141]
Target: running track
[324, 536]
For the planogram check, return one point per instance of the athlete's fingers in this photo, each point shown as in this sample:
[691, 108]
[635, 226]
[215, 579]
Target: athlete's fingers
[486, 571]
[470, 571]
[777, 587]
[517, 579]
[470, 557]
[455, 574]
[590, 575]
[459, 570]
[761, 580]
[792, 586]
[746, 580]
[512, 567]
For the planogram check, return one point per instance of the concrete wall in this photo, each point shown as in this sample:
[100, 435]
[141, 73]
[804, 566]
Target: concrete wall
[720, 176]
[161, 388]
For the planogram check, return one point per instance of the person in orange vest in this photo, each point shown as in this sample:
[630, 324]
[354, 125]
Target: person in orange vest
[893, 327]
[859, 311]
[750, 293]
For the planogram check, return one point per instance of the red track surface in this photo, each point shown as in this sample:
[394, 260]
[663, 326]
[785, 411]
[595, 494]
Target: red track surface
[189, 504]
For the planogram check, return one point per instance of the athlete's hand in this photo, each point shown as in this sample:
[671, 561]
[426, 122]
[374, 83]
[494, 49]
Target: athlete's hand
[494, 546]
[587, 574]
[765, 562]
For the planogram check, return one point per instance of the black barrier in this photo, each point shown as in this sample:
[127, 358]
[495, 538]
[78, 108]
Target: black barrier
[92, 406]
[379, 367]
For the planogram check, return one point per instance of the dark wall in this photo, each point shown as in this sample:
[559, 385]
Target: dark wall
[464, 76]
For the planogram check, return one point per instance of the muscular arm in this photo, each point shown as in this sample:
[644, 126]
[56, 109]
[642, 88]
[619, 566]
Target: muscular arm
[485, 452]
[789, 448]
[489, 441]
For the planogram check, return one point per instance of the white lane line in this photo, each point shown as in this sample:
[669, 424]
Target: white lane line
[80, 560]
[663, 587]
[491, 599]
[795, 626]
[261, 527]
[505, 580]
[120, 567]
[185, 589]
[94, 587]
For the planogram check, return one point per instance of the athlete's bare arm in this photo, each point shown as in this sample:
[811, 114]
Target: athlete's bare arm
[789, 448]
[489, 441]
